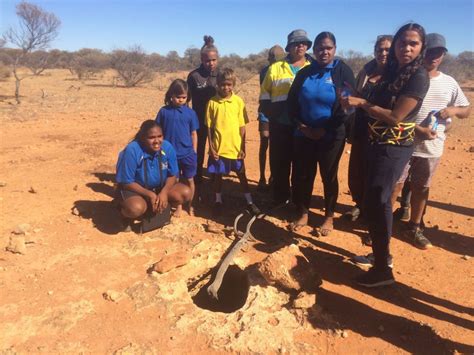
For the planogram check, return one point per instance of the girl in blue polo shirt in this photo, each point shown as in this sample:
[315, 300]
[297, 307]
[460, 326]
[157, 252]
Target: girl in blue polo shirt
[146, 174]
[180, 125]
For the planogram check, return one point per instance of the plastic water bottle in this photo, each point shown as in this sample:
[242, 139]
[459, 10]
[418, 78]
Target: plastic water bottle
[433, 120]
[347, 91]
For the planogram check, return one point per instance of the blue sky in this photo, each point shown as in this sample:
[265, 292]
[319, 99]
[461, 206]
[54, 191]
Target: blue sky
[245, 26]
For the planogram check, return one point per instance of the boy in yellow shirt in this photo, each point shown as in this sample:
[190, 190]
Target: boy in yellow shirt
[226, 118]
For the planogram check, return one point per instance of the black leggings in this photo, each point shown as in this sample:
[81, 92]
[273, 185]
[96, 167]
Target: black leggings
[308, 155]
[386, 164]
[201, 149]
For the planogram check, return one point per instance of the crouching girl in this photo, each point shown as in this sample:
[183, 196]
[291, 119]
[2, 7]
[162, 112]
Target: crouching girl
[147, 172]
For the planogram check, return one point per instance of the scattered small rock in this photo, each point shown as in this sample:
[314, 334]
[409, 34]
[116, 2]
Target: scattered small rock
[16, 245]
[111, 295]
[471, 149]
[22, 229]
[290, 269]
[75, 211]
[466, 257]
[172, 261]
[348, 152]
[50, 293]
[212, 227]
[75, 188]
[37, 230]
[3, 184]
[32, 190]
[304, 300]
[345, 334]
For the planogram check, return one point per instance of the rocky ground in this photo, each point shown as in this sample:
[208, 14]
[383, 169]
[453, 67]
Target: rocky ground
[71, 282]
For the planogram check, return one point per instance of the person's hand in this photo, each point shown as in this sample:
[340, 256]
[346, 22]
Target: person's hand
[153, 200]
[162, 201]
[312, 133]
[241, 155]
[446, 113]
[213, 153]
[351, 101]
[426, 133]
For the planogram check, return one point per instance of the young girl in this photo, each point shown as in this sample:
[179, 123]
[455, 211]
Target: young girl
[226, 118]
[202, 86]
[180, 125]
[392, 110]
[146, 175]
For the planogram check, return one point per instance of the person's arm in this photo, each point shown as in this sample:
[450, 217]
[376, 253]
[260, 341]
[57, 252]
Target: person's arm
[212, 149]
[455, 111]
[425, 133]
[242, 144]
[194, 139]
[402, 108]
[162, 197]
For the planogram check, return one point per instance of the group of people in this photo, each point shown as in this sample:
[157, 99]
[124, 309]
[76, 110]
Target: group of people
[395, 114]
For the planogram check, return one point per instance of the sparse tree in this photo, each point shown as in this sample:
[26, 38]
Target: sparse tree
[36, 30]
[132, 66]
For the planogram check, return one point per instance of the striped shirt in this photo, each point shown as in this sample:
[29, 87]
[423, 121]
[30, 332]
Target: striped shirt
[444, 91]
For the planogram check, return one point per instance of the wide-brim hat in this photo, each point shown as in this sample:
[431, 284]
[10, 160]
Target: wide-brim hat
[298, 36]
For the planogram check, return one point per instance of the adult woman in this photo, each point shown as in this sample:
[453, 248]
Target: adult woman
[202, 86]
[320, 134]
[392, 108]
[366, 80]
[273, 95]
[146, 173]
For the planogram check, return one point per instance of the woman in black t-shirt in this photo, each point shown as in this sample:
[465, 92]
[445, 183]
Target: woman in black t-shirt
[366, 81]
[391, 108]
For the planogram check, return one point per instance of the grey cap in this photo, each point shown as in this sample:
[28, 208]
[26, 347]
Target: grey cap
[435, 40]
[297, 36]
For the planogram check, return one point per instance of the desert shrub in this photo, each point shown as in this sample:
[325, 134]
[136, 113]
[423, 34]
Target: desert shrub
[87, 62]
[355, 60]
[132, 66]
[461, 67]
[5, 72]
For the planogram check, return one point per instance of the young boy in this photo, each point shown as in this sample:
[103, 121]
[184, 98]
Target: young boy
[226, 118]
[447, 99]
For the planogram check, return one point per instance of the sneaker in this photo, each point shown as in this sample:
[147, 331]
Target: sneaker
[401, 214]
[353, 214]
[253, 209]
[374, 278]
[419, 240]
[368, 260]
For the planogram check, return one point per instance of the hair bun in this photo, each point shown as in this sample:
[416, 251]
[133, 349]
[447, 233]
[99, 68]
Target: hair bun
[208, 41]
